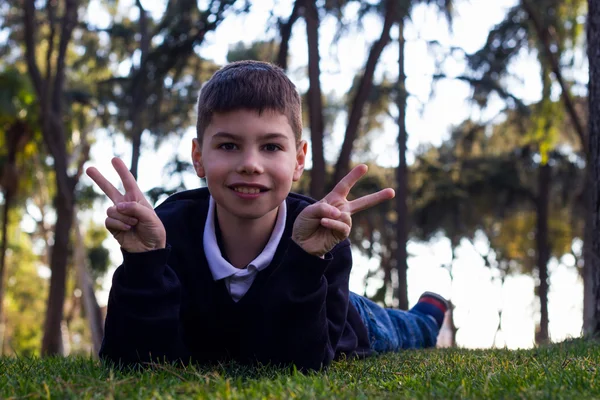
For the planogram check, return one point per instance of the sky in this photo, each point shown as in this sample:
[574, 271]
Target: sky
[432, 110]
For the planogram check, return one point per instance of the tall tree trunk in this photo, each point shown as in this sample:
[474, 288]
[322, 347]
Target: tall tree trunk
[401, 180]
[360, 99]
[315, 102]
[52, 341]
[589, 300]
[543, 249]
[49, 89]
[592, 258]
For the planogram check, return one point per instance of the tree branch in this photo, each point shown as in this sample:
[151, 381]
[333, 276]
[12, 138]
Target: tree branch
[51, 9]
[285, 31]
[68, 24]
[490, 84]
[362, 94]
[30, 31]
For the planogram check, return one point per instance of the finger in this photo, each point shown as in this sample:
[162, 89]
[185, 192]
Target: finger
[323, 210]
[127, 178]
[113, 213]
[107, 187]
[137, 211]
[114, 225]
[370, 200]
[346, 218]
[343, 187]
[337, 226]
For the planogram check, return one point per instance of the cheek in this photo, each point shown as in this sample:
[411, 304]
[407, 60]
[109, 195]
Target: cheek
[284, 170]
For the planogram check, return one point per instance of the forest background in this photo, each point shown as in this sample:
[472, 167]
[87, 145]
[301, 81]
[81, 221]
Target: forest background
[474, 111]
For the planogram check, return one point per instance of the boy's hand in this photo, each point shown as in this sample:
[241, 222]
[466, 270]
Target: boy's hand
[131, 220]
[322, 225]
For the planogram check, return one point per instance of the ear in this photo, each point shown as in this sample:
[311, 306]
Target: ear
[300, 159]
[197, 158]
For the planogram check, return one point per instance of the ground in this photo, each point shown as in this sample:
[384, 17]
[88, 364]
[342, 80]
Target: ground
[569, 370]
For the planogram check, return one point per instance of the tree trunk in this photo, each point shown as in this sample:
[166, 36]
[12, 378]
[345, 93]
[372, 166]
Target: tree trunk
[136, 144]
[52, 341]
[315, 102]
[543, 249]
[88, 296]
[366, 82]
[401, 180]
[3, 273]
[592, 258]
[138, 93]
[589, 301]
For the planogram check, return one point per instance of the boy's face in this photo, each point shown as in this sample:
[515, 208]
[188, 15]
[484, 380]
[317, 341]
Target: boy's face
[249, 161]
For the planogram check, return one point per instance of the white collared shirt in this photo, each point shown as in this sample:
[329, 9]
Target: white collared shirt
[237, 280]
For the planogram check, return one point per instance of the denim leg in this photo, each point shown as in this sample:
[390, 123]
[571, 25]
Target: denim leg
[392, 330]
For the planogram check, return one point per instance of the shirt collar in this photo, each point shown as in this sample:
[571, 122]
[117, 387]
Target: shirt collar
[221, 268]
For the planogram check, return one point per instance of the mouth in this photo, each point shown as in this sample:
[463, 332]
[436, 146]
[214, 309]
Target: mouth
[248, 189]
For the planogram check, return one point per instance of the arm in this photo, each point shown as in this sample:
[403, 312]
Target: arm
[142, 322]
[306, 302]
[304, 308]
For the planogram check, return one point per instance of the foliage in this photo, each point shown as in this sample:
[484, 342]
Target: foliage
[25, 296]
[564, 371]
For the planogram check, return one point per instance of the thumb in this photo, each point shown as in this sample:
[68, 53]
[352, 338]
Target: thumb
[136, 210]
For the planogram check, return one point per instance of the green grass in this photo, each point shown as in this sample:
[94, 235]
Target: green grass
[570, 370]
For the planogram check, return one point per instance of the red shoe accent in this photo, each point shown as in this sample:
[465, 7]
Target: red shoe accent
[434, 302]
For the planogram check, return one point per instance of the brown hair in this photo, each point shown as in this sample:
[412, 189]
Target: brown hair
[251, 85]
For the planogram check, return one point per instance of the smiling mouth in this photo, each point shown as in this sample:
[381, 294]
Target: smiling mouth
[248, 190]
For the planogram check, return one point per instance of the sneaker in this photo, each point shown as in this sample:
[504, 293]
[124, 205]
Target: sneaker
[432, 305]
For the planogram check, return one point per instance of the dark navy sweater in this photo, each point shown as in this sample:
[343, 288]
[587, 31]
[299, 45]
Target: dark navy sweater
[165, 305]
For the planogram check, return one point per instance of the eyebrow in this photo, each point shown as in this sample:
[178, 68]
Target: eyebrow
[268, 136]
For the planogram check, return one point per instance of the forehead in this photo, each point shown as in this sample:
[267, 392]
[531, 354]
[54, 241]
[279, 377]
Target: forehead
[249, 123]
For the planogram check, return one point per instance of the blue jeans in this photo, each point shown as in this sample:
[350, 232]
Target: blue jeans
[393, 330]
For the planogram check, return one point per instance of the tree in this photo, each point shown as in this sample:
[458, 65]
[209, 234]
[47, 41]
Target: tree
[592, 323]
[402, 221]
[549, 29]
[49, 87]
[17, 127]
[523, 198]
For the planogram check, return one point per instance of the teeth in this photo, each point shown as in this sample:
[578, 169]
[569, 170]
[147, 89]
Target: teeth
[247, 190]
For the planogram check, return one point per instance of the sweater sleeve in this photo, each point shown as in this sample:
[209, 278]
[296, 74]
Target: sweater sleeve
[142, 321]
[304, 308]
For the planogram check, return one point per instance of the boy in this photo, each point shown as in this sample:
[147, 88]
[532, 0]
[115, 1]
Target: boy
[245, 270]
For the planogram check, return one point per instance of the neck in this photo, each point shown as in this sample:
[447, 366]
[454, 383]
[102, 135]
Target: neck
[245, 239]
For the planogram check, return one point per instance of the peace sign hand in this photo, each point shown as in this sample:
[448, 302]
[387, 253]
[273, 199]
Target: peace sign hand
[131, 220]
[322, 225]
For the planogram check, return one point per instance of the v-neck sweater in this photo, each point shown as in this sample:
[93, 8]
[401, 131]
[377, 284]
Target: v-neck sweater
[165, 305]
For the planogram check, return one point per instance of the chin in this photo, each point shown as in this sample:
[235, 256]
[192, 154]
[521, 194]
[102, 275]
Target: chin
[250, 213]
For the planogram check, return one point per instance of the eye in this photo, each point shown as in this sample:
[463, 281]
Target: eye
[272, 147]
[227, 146]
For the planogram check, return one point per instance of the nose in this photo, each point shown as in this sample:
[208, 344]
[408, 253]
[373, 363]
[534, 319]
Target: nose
[250, 163]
